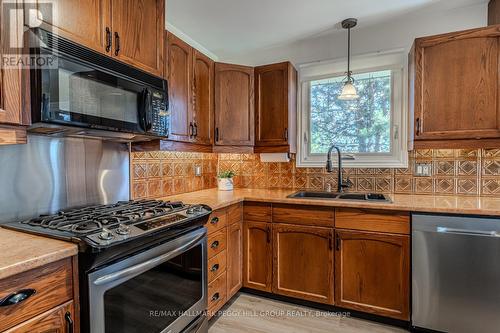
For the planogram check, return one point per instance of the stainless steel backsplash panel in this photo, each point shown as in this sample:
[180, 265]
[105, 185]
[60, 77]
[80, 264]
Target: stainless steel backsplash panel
[50, 174]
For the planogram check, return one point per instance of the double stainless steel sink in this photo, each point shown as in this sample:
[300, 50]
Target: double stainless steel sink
[339, 196]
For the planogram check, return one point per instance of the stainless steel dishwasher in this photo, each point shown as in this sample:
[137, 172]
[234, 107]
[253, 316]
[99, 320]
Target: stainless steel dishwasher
[456, 273]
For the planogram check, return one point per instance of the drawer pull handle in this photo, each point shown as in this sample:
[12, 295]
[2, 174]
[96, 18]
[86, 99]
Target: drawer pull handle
[214, 268]
[69, 322]
[214, 220]
[215, 245]
[17, 297]
[215, 297]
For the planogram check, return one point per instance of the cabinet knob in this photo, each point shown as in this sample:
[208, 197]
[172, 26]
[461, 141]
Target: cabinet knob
[214, 220]
[214, 268]
[215, 297]
[215, 245]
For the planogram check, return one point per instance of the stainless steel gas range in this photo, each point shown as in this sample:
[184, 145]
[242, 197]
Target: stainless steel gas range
[141, 264]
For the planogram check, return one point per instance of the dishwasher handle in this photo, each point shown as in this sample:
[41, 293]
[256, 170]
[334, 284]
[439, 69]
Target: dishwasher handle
[488, 233]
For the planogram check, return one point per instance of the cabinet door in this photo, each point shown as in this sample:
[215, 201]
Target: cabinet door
[303, 262]
[234, 106]
[275, 104]
[57, 320]
[203, 98]
[84, 22]
[138, 29]
[372, 273]
[257, 255]
[14, 106]
[454, 85]
[234, 258]
[180, 62]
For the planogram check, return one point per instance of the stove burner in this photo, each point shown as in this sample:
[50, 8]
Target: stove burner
[87, 220]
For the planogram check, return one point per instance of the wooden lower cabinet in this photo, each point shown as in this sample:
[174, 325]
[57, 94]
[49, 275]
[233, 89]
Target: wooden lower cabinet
[372, 273]
[303, 262]
[225, 256]
[235, 258]
[217, 294]
[51, 304]
[58, 320]
[257, 255]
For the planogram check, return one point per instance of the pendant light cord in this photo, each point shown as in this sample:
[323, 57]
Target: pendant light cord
[349, 55]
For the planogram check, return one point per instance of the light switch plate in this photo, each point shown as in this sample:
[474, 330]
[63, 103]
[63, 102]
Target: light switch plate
[423, 170]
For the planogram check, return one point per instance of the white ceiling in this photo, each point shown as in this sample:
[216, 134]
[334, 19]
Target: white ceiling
[227, 28]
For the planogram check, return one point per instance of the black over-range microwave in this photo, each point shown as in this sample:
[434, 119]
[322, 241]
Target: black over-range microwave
[76, 88]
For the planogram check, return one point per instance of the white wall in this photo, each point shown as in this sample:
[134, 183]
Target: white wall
[396, 34]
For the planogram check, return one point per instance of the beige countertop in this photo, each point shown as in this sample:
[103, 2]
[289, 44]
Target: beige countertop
[473, 205]
[20, 252]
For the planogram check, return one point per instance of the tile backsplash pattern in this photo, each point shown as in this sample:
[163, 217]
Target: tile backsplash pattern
[156, 174]
[454, 172]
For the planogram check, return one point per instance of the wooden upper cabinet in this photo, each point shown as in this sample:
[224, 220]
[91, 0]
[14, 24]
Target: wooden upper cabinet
[275, 108]
[203, 98]
[454, 89]
[179, 67]
[84, 22]
[129, 30]
[14, 96]
[257, 255]
[372, 273]
[234, 105]
[303, 262]
[138, 32]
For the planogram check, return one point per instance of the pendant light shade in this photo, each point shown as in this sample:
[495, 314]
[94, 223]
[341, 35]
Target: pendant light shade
[349, 92]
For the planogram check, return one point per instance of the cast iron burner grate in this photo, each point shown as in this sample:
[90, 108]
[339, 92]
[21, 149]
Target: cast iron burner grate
[92, 219]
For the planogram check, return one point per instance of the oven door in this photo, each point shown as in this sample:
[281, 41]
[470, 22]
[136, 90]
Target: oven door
[163, 289]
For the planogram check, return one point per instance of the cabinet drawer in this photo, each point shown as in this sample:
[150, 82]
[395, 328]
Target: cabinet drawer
[54, 320]
[53, 285]
[234, 214]
[373, 220]
[216, 221]
[257, 211]
[216, 266]
[305, 215]
[217, 294]
[217, 243]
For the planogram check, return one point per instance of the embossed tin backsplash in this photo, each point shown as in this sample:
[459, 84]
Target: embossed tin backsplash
[454, 172]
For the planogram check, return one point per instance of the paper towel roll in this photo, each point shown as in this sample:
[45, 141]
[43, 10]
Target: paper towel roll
[274, 157]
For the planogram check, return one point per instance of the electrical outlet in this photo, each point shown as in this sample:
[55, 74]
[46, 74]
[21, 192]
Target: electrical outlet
[197, 171]
[423, 169]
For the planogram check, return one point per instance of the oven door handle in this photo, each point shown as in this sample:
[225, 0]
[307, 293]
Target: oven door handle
[147, 265]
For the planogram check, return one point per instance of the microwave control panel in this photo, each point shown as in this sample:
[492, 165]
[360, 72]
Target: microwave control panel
[160, 115]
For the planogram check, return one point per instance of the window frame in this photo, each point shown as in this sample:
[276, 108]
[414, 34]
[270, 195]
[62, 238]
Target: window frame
[394, 61]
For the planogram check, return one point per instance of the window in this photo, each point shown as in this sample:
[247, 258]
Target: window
[367, 130]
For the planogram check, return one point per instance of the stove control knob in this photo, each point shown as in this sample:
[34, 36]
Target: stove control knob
[106, 234]
[198, 209]
[123, 229]
[190, 210]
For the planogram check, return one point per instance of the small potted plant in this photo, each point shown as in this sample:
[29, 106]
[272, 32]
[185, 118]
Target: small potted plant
[225, 180]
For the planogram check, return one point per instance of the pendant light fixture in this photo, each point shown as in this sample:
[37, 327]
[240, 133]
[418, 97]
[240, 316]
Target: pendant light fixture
[349, 91]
